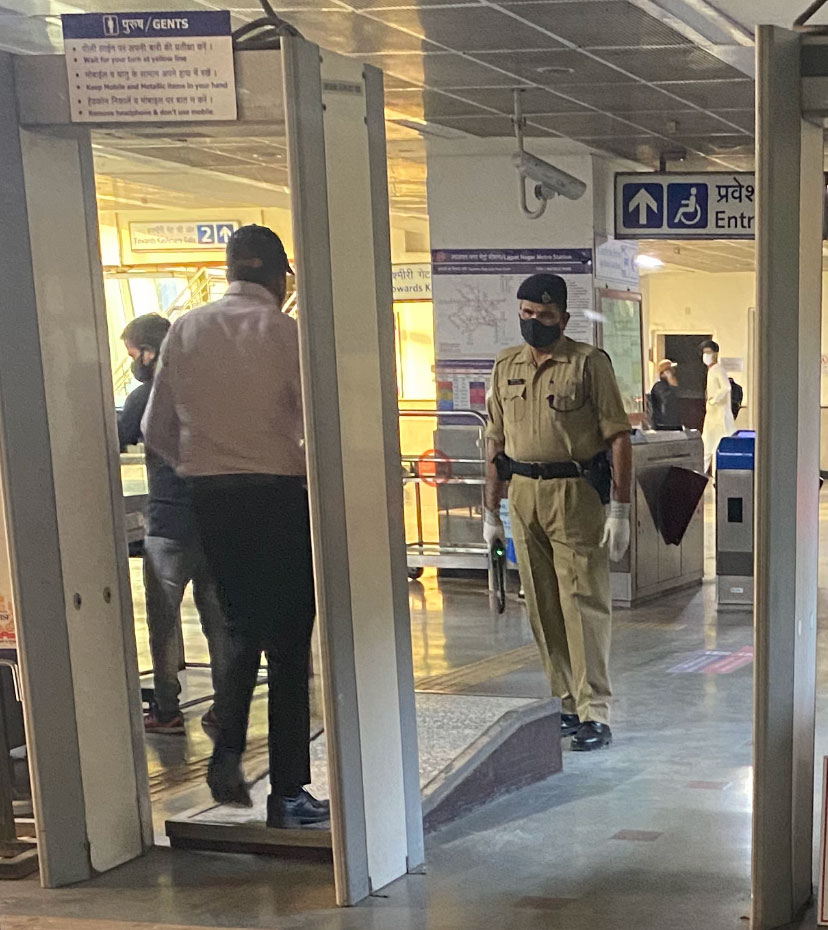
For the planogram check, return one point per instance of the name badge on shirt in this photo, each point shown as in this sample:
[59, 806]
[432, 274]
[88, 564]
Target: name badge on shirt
[516, 381]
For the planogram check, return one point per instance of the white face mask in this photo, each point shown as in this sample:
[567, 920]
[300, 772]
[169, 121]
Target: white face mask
[707, 358]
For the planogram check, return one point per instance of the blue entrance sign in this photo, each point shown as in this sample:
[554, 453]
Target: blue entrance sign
[712, 205]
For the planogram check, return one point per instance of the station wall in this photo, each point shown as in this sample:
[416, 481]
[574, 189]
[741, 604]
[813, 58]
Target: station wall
[473, 196]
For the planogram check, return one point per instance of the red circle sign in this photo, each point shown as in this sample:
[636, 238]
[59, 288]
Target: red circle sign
[434, 467]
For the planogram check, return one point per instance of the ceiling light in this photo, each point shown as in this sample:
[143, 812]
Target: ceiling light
[554, 69]
[648, 262]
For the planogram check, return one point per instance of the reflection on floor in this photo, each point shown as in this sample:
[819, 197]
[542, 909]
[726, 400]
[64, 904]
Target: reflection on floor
[652, 834]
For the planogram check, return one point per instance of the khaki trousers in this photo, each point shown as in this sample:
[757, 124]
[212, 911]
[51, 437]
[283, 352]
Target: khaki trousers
[557, 526]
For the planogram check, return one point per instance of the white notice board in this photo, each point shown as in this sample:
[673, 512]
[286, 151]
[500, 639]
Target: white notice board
[150, 67]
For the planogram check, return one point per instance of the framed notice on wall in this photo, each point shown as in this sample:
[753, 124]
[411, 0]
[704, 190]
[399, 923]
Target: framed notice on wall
[619, 315]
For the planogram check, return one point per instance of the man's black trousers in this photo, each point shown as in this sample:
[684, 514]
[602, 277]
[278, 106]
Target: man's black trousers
[255, 532]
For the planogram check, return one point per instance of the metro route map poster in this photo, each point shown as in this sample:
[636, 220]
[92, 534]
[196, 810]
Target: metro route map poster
[476, 311]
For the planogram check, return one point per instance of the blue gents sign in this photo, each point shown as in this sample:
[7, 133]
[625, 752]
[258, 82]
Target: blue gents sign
[150, 67]
[685, 206]
[145, 25]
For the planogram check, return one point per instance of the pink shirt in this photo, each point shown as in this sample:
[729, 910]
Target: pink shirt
[227, 398]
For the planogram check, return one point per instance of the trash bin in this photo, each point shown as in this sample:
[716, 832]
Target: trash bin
[734, 519]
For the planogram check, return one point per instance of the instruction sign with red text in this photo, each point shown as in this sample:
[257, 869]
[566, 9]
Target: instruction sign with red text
[150, 67]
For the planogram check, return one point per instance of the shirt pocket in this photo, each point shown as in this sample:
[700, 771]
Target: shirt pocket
[514, 403]
[569, 397]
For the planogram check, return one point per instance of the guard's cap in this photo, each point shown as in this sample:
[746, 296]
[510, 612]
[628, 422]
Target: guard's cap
[257, 249]
[664, 365]
[544, 289]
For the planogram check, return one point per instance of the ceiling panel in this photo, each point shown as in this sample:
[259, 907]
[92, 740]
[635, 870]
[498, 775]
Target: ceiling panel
[352, 34]
[643, 149]
[686, 63]
[600, 24]
[744, 118]
[534, 100]
[738, 93]
[285, 7]
[490, 126]
[441, 70]
[712, 144]
[585, 124]
[363, 5]
[407, 102]
[431, 104]
[721, 255]
[469, 29]
[623, 98]
[683, 122]
[552, 69]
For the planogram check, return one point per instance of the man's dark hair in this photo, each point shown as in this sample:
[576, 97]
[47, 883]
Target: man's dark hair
[709, 344]
[147, 331]
[256, 254]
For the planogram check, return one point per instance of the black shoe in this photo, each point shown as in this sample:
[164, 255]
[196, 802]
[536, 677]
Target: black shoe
[300, 811]
[570, 724]
[226, 781]
[592, 735]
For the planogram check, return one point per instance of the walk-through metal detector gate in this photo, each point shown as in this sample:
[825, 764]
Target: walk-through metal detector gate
[62, 483]
[792, 106]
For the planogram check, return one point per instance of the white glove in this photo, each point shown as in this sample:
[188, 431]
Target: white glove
[493, 528]
[617, 530]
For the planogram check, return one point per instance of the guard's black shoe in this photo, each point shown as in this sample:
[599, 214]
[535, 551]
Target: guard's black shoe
[570, 724]
[226, 781]
[300, 811]
[591, 736]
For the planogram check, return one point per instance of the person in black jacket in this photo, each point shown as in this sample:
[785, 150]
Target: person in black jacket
[172, 552]
[664, 412]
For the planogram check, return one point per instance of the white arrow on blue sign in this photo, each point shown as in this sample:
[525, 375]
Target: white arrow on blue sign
[711, 205]
[224, 231]
[643, 205]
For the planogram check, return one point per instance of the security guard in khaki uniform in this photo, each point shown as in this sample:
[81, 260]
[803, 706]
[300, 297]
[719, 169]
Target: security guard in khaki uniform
[554, 412]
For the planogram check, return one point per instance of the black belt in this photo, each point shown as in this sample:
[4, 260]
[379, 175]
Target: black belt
[544, 470]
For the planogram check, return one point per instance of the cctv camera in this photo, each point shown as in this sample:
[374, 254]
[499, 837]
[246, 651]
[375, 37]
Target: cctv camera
[549, 181]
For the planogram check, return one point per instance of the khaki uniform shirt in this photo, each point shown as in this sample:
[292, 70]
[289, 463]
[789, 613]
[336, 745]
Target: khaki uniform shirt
[566, 409]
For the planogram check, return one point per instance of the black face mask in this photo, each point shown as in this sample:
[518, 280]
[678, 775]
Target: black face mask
[539, 335]
[142, 372]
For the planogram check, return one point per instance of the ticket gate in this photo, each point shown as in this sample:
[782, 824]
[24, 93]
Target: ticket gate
[734, 519]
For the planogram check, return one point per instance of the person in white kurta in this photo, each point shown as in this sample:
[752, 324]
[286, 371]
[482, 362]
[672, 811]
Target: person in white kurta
[718, 417]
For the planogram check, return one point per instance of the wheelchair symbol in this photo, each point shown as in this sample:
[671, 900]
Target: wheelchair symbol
[689, 208]
[686, 206]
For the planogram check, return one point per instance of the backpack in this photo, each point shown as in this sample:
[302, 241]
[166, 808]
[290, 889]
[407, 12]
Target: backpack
[736, 396]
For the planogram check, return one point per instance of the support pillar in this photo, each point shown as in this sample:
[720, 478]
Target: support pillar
[338, 184]
[64, 507]
[790, 192]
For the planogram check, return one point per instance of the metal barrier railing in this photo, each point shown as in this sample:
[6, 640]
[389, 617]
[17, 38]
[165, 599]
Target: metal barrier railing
[455, 467]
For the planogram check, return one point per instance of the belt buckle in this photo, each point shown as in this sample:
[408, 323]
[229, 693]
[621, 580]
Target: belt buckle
[579, 468]
[534, 468]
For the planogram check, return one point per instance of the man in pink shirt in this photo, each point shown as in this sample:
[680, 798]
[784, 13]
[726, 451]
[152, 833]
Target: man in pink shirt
[226, 412]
